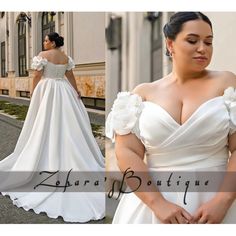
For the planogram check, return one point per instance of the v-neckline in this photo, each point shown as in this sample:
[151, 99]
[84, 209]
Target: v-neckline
[191, 116]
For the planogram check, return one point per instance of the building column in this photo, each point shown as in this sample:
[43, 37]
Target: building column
[12, 55]
[112, 70]
[57, 23]
[139, 51]
[34, 34]
[6, 41]
[28, 43]
[124, 51]
[166, 65]
[68, 33]
[133, 51]
[11, 43]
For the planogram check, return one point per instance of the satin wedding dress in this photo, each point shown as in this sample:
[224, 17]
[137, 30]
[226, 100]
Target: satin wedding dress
[200, 144]
[56, 136]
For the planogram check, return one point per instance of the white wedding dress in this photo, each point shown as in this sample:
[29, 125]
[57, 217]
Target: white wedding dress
[56, 136]
[200, 144]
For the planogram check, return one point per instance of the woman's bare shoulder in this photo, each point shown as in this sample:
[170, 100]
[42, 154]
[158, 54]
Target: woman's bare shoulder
[230, 78]
[226, 78]
[54, 56]
[45, 54]
[145, 88]
[140, 90]
[63, 53]
[42, 54]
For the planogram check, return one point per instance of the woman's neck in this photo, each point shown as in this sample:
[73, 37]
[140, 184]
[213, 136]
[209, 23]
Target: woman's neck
[183, 76]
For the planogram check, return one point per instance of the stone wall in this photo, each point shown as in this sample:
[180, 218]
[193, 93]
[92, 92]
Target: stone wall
[90, 80]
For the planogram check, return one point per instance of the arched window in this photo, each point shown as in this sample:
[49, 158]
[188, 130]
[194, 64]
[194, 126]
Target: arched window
[22, 48]
[48, 23]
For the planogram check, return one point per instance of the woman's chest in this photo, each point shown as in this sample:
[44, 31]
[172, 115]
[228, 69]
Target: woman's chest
[209, 122]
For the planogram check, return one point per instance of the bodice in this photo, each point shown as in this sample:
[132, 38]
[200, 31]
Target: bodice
[200, 142]
[51, 70]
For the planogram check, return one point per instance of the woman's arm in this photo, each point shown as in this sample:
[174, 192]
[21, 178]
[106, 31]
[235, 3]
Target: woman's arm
[130, 154]
[37, 74]
[227, 192]
[36, 78]
[71, 78]
[214, 211]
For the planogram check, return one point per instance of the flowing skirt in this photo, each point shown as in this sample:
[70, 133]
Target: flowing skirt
[131, 210]
[56, 135]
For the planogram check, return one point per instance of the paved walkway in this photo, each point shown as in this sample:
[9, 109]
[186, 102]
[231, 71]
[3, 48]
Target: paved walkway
[9, 133]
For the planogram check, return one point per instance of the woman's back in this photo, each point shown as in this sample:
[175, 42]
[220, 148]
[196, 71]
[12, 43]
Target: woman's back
[54, 63]
[55, 56]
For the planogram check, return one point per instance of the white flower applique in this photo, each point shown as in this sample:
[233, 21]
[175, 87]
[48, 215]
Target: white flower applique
[229, 95]
[71, 63]
[230, 102]
[124, 115]
[38, 63]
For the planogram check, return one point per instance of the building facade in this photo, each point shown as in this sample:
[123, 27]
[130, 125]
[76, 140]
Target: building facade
[21, 38]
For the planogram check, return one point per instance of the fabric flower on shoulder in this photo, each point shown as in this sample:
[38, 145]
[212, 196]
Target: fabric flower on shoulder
[230, 102]
[124, 115]
[230, 95]
[38, 63]
[71, 64]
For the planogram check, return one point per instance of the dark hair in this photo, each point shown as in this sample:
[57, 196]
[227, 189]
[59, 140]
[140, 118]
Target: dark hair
[59, 41]
[174, 26]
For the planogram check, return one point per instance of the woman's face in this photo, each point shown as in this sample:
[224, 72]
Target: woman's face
[47, 44]
[192, 48]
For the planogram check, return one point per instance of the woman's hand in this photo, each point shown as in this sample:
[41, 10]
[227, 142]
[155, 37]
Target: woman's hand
[213, 211]
[132, 147]
[170, 213]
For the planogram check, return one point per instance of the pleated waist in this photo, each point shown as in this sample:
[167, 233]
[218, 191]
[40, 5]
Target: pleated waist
[190, 159]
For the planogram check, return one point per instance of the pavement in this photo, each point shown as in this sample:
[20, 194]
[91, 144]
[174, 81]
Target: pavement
[10, 129]
[111, 205]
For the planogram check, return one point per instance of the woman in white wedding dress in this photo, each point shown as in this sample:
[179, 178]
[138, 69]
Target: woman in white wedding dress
[56, 136]
[184, 122]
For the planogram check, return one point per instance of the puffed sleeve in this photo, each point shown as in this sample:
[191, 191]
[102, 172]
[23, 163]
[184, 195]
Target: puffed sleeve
[71, 64]
[230, 102]
[124, 116]
[38, 63]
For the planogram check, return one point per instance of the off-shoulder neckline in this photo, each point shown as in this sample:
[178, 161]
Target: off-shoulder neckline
[193, 114]
[55, 63]
[230, 87]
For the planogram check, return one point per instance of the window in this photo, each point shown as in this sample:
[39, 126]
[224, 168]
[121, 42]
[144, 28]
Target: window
[24, 94]
[5, 92]
[95, 103]
[22, 48]
[156, 48]
[48, 24]
[3, 60]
